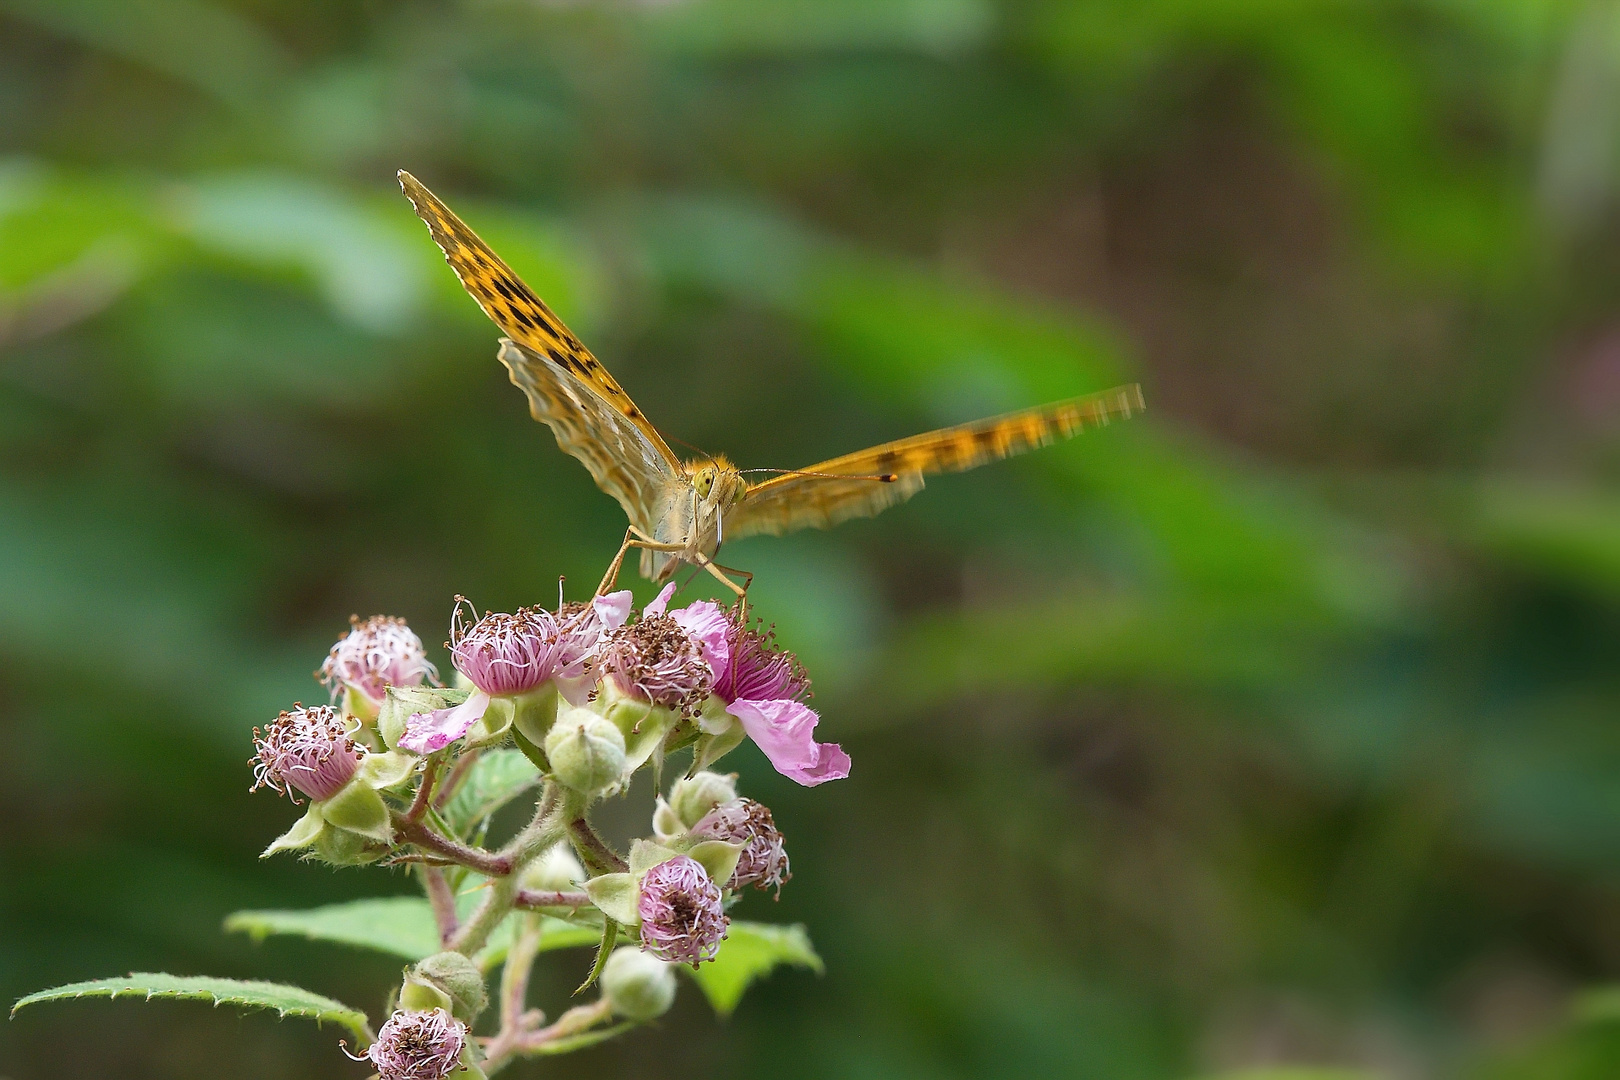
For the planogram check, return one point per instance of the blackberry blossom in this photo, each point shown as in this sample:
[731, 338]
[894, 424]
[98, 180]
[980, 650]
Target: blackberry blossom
[657, 660]
[507, 655]
[761, 686]
[417, 1046]
[306, 749]
[682, 919]
[374, 655]
[764, 862]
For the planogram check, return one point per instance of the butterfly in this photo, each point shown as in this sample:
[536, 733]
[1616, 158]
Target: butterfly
[682, 511]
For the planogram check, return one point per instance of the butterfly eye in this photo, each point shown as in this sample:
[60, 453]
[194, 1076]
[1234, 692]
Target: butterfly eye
[704, 482]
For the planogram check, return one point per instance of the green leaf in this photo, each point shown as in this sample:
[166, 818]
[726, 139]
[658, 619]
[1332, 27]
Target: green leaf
[495, 779]
[750, 951]
[401, 926]
[285, 1000]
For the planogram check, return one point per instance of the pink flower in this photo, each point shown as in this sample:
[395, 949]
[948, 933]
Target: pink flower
[682, 918]
[506, 655]
[374, 655]
[703, 622]
[306, 749]
[764, 860]
[761, 686]
[418, 1046]
[658, 660]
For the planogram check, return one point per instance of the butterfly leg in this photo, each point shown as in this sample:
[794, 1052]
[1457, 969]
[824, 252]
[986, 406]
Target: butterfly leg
[720, 572]
[633, 538]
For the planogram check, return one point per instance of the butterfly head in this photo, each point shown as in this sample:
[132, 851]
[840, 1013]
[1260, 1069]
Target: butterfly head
[717, 481]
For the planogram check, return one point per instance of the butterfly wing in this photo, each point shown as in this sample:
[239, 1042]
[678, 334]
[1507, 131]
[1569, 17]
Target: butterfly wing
[620, 458]
[568, 388]
[866, 482]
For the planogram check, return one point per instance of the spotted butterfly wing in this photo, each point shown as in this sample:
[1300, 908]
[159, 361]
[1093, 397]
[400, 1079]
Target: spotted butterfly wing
[868, 481]
[568, 389]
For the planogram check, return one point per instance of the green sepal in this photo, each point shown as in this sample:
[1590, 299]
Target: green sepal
[666, 823]
[359, 706]
[642, 723]
[534, 712]
[615, 896]
[644, 855]
[712, 747]
[382, 771]
[533, 751]
[305, 831]
[492, 726]
[359, 809]
[718, 857]
[419, 995]
[403, 702]
[610, 937]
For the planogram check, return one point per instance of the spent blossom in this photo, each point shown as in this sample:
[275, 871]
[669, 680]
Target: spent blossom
[307, 749]
[374, 655]
[763, 862]
[418, 1046]
[656, 659]
[682, 917]
[747, 663]
[510, 654]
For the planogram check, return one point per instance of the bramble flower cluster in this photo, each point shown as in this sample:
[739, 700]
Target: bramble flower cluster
[565, 706]
[562, 707]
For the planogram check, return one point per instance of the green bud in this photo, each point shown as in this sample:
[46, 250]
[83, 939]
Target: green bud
[340, 847]
[458, 978]
[586, 751]
[638, 986]
[557, 870]
[419, 995]
[695, 795]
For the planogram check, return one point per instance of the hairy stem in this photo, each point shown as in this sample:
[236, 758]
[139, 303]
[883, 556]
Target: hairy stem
[458, 773]
[442, 899]
[593, 851]
[424, 789]
[492, 864]
[546, 898]
[515, 976]
[550, 824]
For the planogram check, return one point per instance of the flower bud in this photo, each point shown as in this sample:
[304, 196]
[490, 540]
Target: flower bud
[557, 870]
[306, 749]
[763, 862]
[586, 750]
[695, 795]
[637, 985]
[418, 1046]
[458, 978]
[682, 917]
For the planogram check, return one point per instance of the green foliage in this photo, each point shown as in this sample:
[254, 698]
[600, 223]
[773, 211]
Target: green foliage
[285, 1000]
[750, 952]
[495, 779]
[398, 925]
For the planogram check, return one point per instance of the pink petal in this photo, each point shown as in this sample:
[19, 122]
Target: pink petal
[706, 624]
[427, 732]
[613, 609]
[832, 764]
[660, 602]
[785, 731]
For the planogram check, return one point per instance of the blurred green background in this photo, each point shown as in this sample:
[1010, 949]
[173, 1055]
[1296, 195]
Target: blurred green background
[1277, 728]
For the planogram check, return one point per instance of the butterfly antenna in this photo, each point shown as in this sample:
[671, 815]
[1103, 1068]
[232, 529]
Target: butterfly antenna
[887, 478]
[690, 446]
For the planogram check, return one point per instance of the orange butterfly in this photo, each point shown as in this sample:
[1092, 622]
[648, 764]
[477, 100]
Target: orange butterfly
[681, 511]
